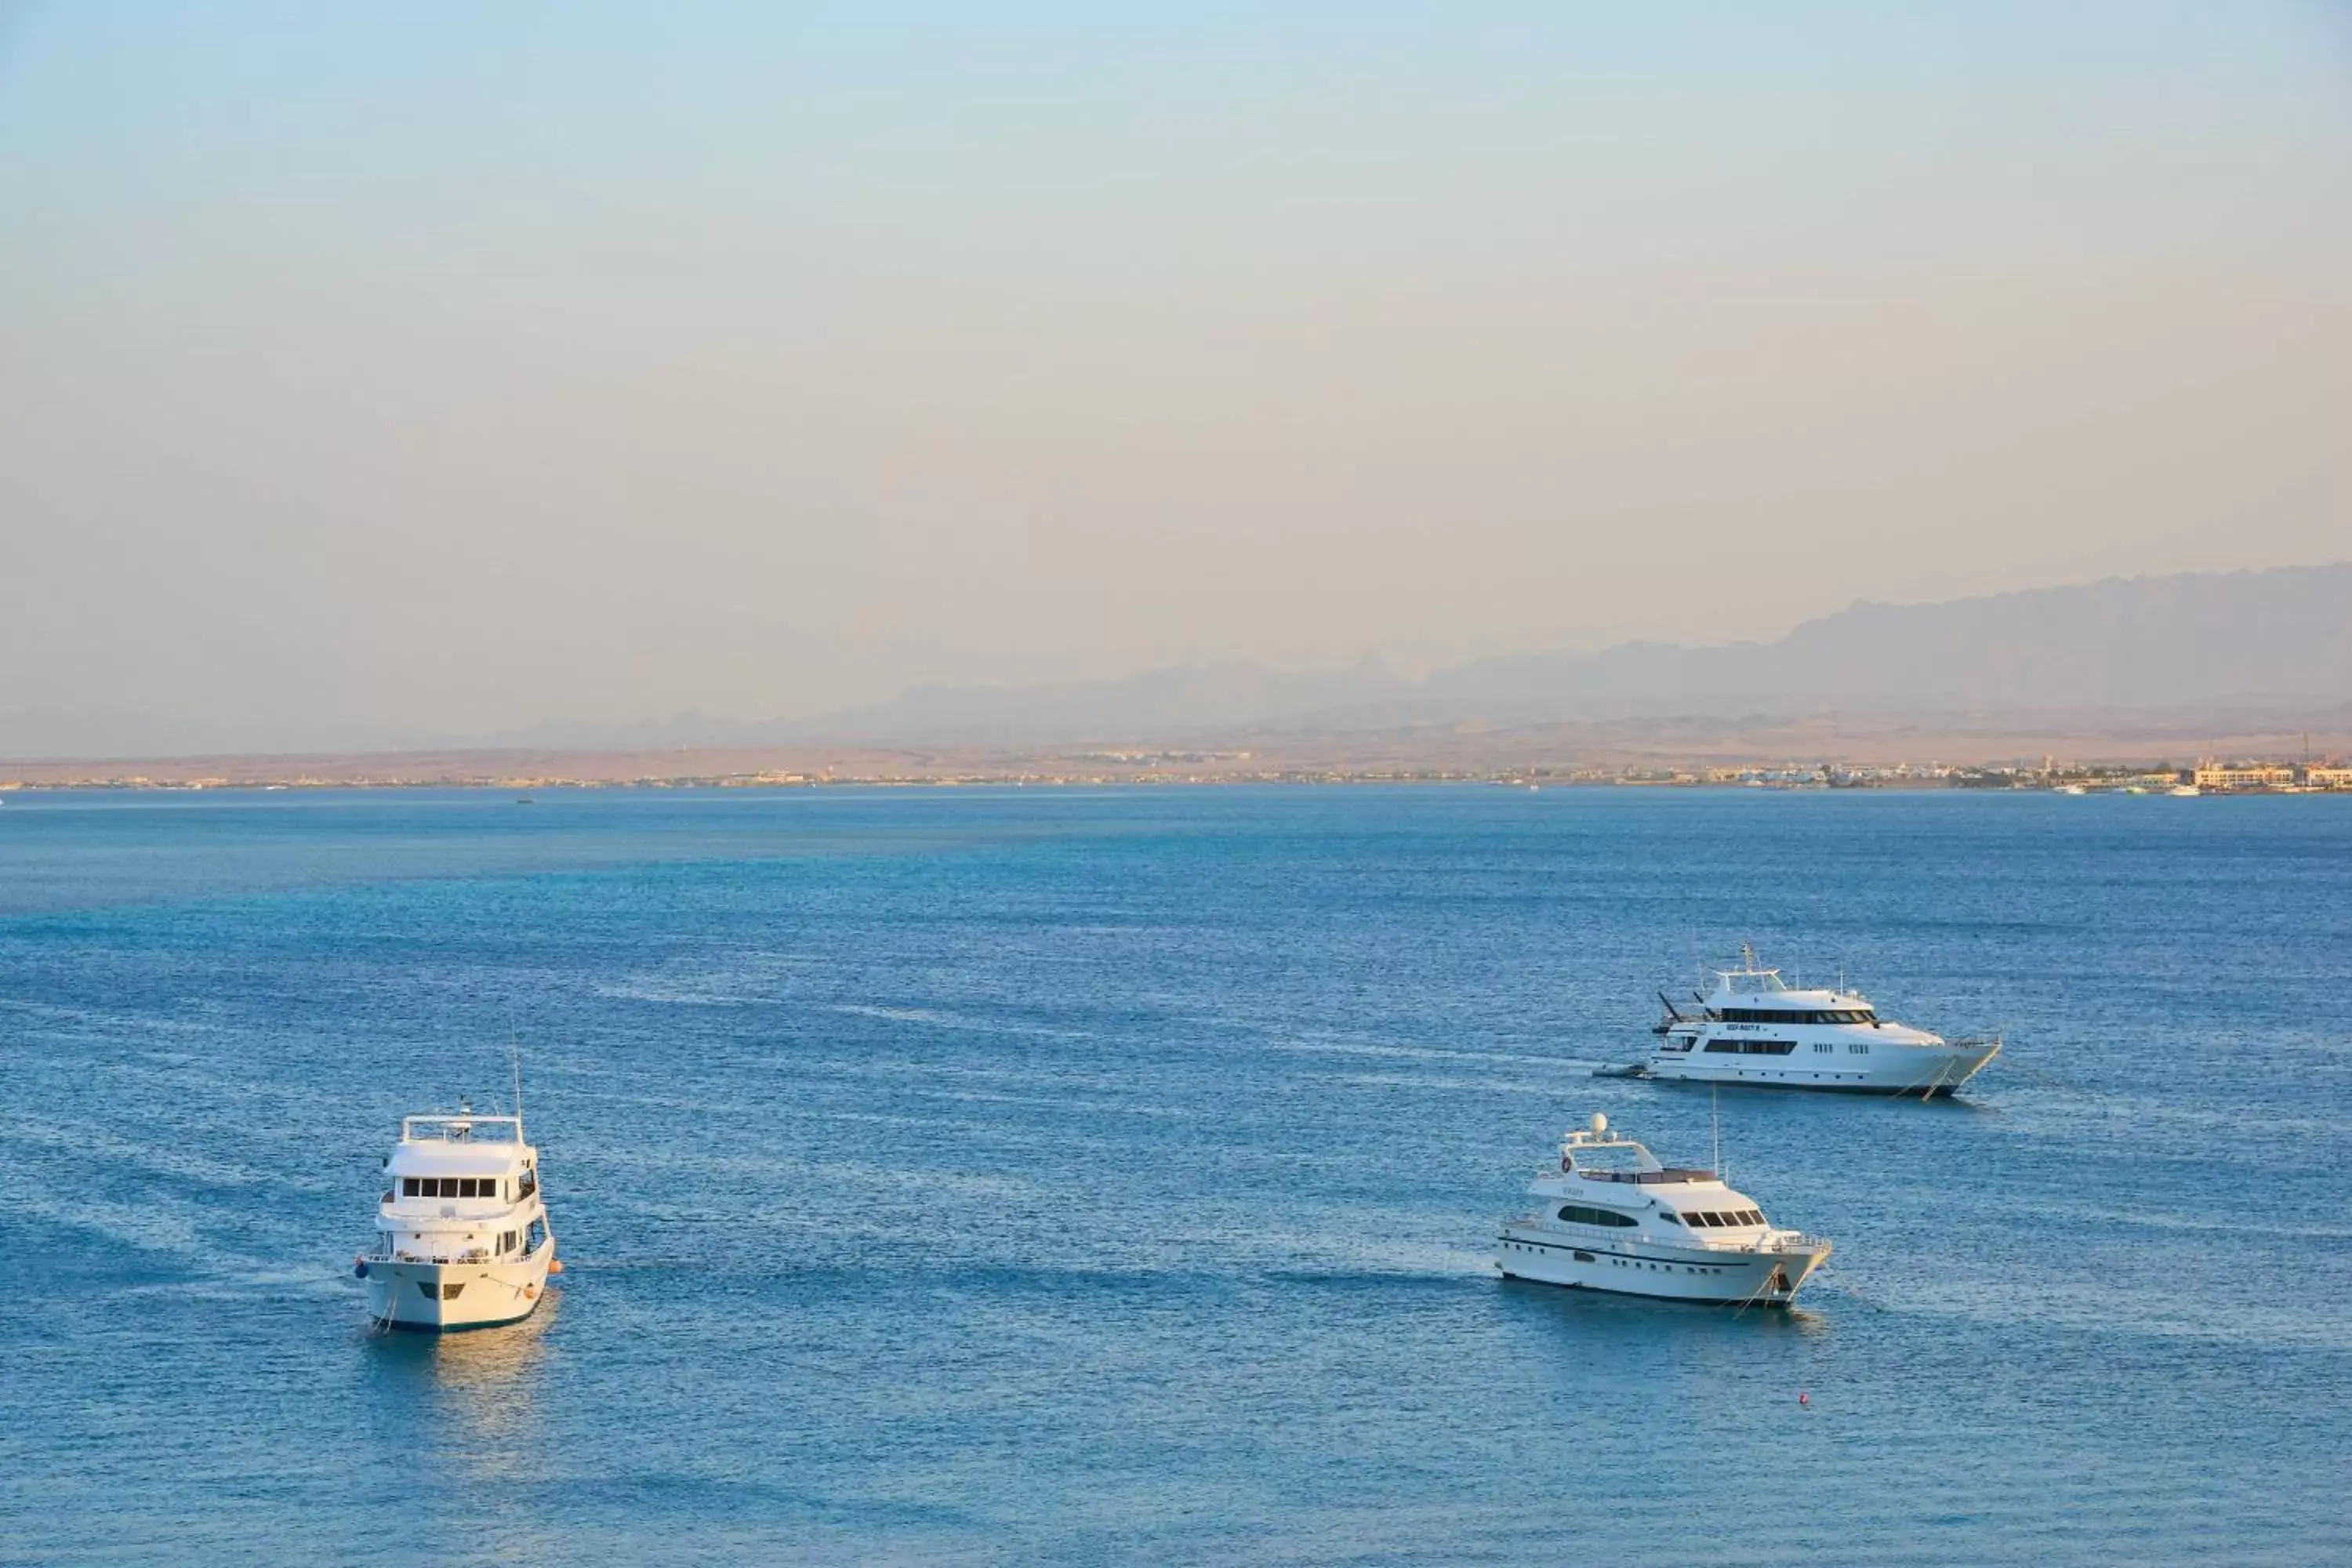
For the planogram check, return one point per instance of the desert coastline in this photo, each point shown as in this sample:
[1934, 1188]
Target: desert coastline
[1659, 753]
[2087, 681]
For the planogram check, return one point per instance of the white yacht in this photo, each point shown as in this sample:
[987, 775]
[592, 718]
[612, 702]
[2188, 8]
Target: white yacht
[1612, 1218]
[1754, 1030]
[461, 1236]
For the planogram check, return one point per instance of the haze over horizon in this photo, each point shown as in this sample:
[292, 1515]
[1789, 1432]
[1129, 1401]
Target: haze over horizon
[446, 372]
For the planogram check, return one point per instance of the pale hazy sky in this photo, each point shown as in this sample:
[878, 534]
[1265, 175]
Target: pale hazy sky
[426, 369]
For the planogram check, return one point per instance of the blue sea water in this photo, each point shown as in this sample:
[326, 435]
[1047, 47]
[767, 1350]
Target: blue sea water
[1099, 1175]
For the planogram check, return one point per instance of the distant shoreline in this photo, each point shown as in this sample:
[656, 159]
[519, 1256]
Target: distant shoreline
[1972, 781]
[1880, 751]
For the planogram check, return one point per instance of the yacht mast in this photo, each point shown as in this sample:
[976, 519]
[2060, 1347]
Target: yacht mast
[1715, 1119]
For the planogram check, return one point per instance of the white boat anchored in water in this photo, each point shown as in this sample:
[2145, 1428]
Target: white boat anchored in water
[461, 1237]
[1754, 1030]
[1612, 1218]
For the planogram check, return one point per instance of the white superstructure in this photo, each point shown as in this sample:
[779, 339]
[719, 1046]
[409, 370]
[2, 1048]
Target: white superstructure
[1754, 1030]
[461, 1236]
[1610, 1217]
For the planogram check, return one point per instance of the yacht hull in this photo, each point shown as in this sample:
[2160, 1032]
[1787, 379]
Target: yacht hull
[450, 1298]
[1941, 1074]
[1766, 1278]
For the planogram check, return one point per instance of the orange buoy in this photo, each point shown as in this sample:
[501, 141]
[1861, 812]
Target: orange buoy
[555, 1266]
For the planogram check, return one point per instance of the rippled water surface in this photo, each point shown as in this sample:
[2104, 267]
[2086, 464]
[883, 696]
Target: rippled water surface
[1099, 1175]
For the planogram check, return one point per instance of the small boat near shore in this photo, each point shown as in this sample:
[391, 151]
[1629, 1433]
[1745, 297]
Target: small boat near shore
[1612, 1217]
[462, 1238]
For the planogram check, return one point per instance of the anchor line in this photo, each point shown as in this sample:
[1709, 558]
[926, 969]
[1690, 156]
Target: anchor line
[1761, 1289]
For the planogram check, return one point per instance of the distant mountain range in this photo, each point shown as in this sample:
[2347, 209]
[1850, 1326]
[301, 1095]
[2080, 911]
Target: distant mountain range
[2271, 641]
[2251, 639]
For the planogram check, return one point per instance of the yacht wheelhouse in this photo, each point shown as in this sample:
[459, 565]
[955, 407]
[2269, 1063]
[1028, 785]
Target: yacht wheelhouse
[461, 1233]
[1612, 1217]
[1754, 1030]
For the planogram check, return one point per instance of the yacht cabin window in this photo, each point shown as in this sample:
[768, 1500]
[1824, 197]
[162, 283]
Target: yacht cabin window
[1796, 1016]
[1574, 1214]
[449, 1186]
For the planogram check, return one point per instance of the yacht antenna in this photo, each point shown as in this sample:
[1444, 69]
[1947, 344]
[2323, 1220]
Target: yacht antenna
[514, 1061]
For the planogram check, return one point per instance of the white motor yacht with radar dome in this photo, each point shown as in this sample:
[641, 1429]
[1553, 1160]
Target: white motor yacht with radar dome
[1610, 1217]
[1757, 1031]
[461, 1235]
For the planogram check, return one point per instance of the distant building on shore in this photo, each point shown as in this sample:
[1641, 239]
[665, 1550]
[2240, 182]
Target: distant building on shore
[2251, 777]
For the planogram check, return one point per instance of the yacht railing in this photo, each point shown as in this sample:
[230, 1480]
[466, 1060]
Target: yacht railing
[1648, 1178]
[462, 1127]
[1778, 1241]
[384, 1254]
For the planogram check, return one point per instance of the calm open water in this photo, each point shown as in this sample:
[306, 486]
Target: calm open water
[1105, 1175]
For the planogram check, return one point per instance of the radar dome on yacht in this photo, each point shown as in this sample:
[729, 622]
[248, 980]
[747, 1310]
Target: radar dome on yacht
[1600, 1124]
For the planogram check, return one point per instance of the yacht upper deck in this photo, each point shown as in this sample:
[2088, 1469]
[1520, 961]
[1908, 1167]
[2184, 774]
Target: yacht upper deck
[1600, 1155]
[1753, 993]
[470, 1146]
[460, 1126]
[1663, 1175]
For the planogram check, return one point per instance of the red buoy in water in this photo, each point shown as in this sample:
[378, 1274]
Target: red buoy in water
[1803, 1398]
